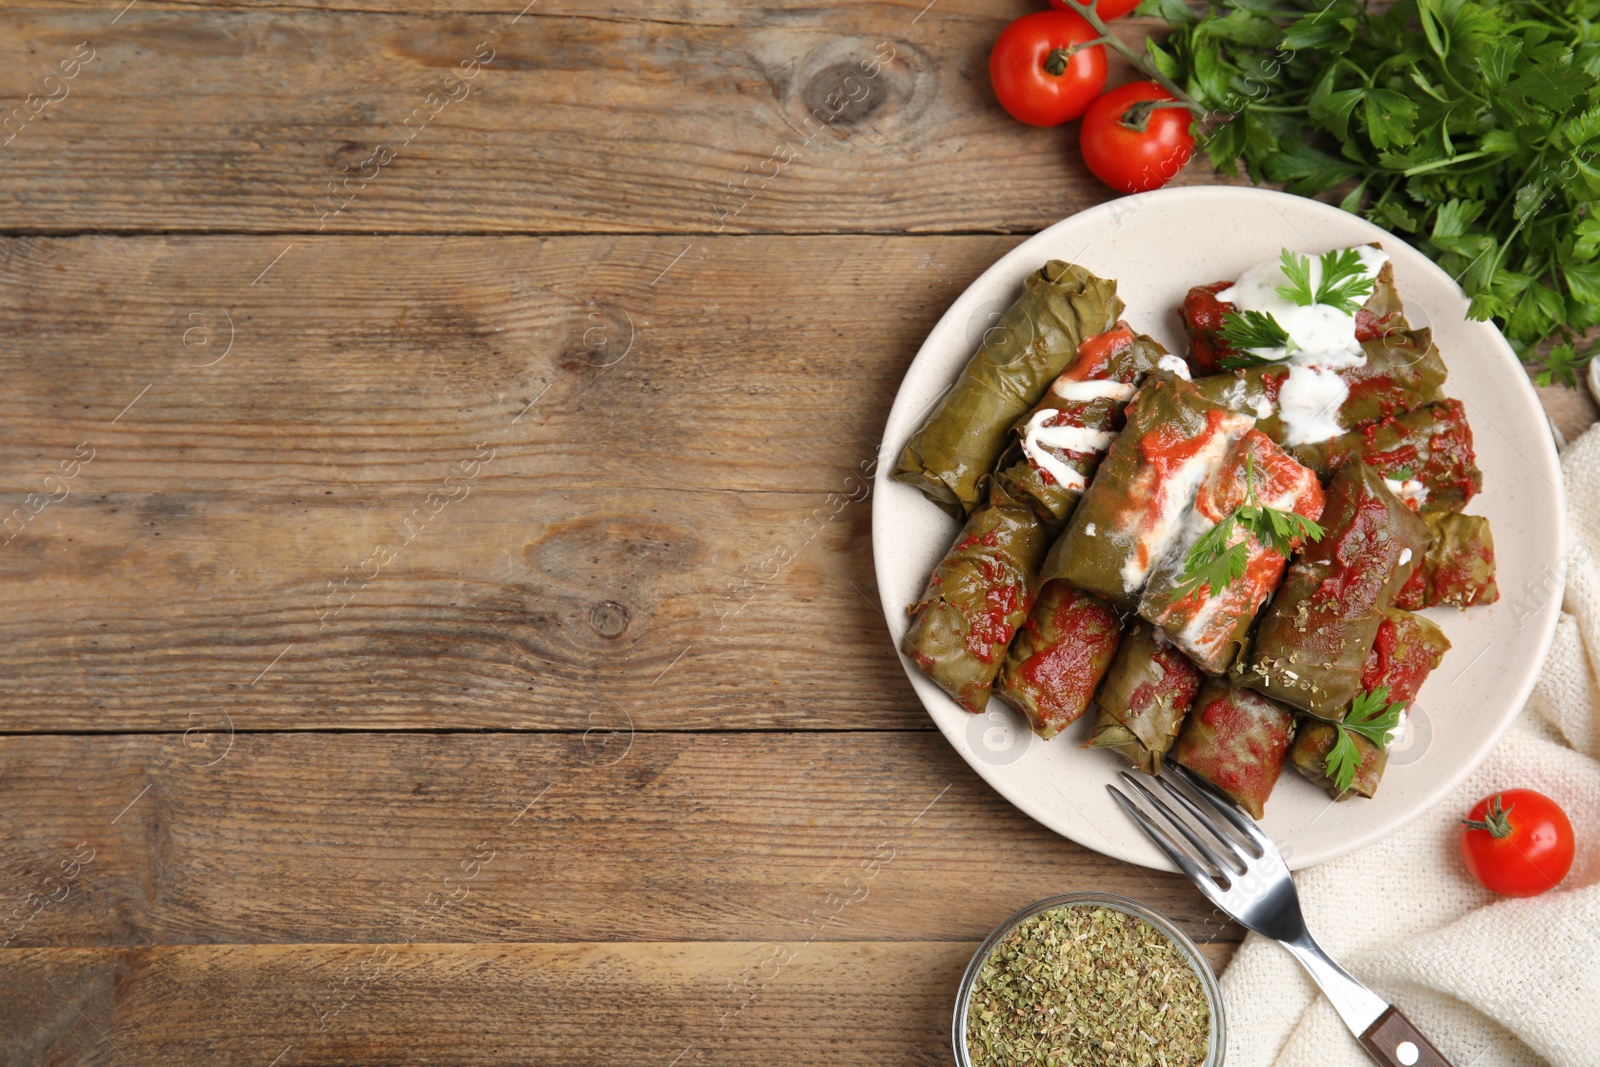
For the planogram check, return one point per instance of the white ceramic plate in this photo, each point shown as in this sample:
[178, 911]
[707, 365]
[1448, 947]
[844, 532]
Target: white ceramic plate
[1157, 245]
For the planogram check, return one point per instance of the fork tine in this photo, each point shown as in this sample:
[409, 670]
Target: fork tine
[1178, 856]
[1222, 866]
[1225, 807]
[1229, 842]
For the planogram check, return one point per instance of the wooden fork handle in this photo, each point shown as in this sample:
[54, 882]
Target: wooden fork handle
[1394, 1042]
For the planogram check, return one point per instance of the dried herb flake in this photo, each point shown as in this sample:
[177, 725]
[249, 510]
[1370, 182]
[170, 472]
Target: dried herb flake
[1086, 986]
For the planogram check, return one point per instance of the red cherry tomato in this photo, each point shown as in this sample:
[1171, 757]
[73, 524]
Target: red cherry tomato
[1106, 9]
[1034, 77]
[1518, 842]
[1132, 145]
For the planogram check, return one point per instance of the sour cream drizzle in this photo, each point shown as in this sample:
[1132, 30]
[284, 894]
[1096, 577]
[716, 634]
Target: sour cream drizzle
[1412, 492]
[1092, 390]
[1175, 364]
[1324, 340]
[1039, 439]
[1178, 492]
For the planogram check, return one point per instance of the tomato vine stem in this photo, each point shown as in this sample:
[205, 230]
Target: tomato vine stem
[1140, 63]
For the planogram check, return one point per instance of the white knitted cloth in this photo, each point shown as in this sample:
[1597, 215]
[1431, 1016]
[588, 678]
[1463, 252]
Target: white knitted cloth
[1492, 981]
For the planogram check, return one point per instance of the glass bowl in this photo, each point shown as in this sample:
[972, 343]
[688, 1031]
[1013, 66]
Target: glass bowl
[1208, 979]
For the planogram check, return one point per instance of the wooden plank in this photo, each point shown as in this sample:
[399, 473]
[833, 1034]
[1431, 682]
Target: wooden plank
[504, 610]
[828, 1004]
[761, 364]
[537, 516]
[1571, 410]
[303, 121]
[496, 615]
[394, 838]
[707, 14]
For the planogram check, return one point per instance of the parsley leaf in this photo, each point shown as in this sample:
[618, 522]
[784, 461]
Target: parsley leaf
[1563, 362]
[1213, 564]
[1373, 718]
[1297, 269]
[1344, 759]
[1344, 284]
[1245, 330]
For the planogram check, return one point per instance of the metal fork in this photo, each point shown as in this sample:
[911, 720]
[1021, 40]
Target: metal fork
[1245, 876]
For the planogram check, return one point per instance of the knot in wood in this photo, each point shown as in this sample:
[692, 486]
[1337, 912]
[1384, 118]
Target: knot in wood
[608, 618]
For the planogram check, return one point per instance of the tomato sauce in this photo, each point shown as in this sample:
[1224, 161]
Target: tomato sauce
[1400, 661]
[1005, 602]
[1248, 739]
[1179, 681]
[1168, 447]
[1202, 314]
[1094, 354]
[1358, 554]
[1082, 637]
[1370, 327]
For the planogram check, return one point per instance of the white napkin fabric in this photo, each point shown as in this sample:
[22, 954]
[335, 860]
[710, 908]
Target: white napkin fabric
[1492, 981]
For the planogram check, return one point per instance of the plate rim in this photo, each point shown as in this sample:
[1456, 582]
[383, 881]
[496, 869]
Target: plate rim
[1028, 250]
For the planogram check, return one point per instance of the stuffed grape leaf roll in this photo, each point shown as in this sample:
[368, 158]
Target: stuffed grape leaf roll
[1313, 638]
[1459, 567]
[1210, 625]
[1425, 455]
[976, 598]
[1057, 659]
[1135, 508]
[1408, 648]
[1064, 437]
[953, 455]
[1144, 698]
[1402, 370]
[1203, 310]
[1237, 740]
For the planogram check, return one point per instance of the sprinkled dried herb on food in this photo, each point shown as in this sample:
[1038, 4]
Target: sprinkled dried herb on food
[1082, 986]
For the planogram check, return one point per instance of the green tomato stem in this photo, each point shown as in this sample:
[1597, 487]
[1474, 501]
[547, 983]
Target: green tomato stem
[1139, 61]
[1496, 820]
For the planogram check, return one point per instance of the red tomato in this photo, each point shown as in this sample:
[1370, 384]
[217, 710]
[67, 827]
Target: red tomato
[1130, 144]
[1518, 842]
[1035, 79]
[1106, 9]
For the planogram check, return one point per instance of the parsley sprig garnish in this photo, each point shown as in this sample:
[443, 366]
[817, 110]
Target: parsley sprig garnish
[1344, 283]
[1245, 330]
[1213, 564]
[1374, 718]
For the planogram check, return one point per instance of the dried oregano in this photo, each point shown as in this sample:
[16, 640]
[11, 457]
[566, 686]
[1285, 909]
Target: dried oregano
[1085, 986]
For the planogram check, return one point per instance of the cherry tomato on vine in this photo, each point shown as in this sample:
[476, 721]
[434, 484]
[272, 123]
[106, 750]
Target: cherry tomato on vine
[1131, 143]
[1518, 842]
[1106, 9]
[1041, 73]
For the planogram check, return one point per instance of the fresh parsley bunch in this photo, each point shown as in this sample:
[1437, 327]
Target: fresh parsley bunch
[1470, 127]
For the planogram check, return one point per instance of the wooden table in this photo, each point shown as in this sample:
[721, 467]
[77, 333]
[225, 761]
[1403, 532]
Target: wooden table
[440, 616]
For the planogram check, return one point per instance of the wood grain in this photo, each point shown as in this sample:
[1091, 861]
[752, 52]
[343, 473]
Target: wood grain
[721, 121]
[755, 364]
[606, 836]
[550, 520]
[829, 1004]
